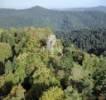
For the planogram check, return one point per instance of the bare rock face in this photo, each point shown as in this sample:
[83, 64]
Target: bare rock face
[51, 41]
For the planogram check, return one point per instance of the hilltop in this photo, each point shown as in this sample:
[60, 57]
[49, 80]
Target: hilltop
[66, 19]
[35, 65]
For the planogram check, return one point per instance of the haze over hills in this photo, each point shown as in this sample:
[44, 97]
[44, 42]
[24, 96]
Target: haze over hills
[65, 19]
[97, 8]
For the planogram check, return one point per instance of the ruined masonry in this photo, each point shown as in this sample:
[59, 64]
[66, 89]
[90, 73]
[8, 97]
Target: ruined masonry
[51, 41]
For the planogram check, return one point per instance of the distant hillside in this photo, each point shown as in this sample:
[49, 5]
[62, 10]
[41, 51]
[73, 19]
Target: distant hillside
[56, 19]
[98, 8]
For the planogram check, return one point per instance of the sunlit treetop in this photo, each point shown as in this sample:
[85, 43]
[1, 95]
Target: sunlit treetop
[5, 51]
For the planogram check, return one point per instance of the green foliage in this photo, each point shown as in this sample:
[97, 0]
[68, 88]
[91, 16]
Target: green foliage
[77, 73]
[72, 94]
[29, 72]
[44, 76]
[90, 63]
[91, 40]
[17, 93]
[86, 29]
[54, 93]
[65, 62]
[8, 67]
[5, 51]
[99, 77]
[20, 74]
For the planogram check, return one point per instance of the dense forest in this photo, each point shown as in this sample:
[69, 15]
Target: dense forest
[89, 40]
[83, 27]
[63, 20]
[37, 65]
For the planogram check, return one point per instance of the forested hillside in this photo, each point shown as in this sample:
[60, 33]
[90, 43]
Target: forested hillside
[36, 65]
[65, 20]
[90, 40]
[85, 27]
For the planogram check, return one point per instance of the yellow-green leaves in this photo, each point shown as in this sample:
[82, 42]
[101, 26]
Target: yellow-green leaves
[17, 93]
[54, 93]
[43, 75]
[5, 51]
[72, 94]
[77, 72]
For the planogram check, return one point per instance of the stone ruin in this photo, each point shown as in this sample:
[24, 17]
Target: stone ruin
[51, 41]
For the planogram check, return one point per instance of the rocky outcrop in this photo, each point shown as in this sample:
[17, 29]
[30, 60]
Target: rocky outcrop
[51, 41]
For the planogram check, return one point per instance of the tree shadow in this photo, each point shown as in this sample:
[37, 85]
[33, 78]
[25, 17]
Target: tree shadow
[5, 89]
[2, 68]
[35, 92]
